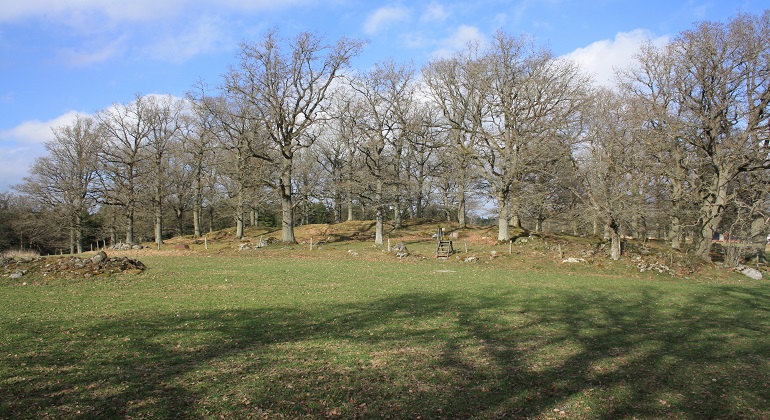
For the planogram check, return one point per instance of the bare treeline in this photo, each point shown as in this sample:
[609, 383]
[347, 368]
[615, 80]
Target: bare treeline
[678, 149]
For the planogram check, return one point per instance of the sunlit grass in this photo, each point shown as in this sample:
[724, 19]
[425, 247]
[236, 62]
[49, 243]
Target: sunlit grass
[295, 333]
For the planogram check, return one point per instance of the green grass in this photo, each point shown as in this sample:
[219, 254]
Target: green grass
[326, 334]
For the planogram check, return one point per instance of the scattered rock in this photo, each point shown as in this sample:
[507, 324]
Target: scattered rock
[99, 257]
[400, 247]
[401, 251]
[99, 265]
[268, 241]
[470, 259]
[749, 272]
[572, 260]
[654, 266]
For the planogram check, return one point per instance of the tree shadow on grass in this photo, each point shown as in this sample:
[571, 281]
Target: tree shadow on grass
[434, 355]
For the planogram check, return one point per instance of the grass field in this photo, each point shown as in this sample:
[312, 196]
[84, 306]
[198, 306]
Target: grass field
[294, 333]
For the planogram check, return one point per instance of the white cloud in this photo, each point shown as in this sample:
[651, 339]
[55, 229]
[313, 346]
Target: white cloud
[171, 30]
[383, 17]
[258, 5]
[601, 58]
[521, 9]
[17, 161]
[458, 40]
[203, 36]
[35, 131]
[21, 145]
[500, 20]
[434, 12]
[85, 57]
[76, 10]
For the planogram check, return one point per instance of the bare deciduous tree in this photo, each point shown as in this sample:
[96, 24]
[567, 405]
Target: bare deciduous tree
[382, 93]
[126, 132]
[286, 82]
[532, 97]
[64, 181]
[608, 161]
[163, 118]
[716, 87]
[458, 87]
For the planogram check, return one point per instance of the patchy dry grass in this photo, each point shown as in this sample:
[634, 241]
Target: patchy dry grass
[24, 253]
[288, 332]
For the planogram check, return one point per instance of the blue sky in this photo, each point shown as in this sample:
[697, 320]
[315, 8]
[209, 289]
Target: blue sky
[62, 57]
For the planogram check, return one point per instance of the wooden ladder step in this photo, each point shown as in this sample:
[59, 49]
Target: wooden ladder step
[444, 249]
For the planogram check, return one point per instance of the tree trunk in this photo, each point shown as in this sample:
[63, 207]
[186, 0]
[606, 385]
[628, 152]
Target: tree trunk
[502, 217]
[447, 207]
[711, 216]
[616, 248]
[179, 222]
[130, 225]
[417, 209]
[79, 233]
[239, 226]
[197, 222]
[378, 226]
[636, 230]
[197, 210]
[158, 225]
[758, 239]
[676, 234]
[380, 216]
[72, 238]
[397, 213]
[159, 202]
[287, 208]
[239, 212]
[461, 223]
[399, 147]
[515, 219]
[349, 184]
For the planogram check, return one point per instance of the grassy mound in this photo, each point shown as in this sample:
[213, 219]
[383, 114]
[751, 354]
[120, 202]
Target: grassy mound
[348, 330]
[526, 250]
